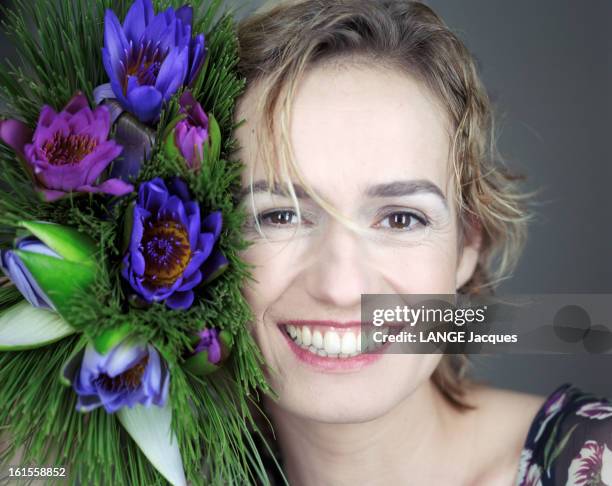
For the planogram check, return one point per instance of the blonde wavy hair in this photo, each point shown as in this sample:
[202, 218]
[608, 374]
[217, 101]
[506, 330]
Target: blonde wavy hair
[281, 42]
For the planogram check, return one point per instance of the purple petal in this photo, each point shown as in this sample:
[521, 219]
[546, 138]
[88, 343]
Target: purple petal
[214, 265]
[152, 378]
[185, 14]
[187, 101]
[87, 403]
[50, 195]
[191, 282]
[197, 51]
[213, 223]
[178, 187]
[14, 268]
[15, 134]
[199, 256]
[91, 367]
[194, 224]
[94, 163]
[180, 300]
[102, 92]
[46, 118]
[112, 400]
[168, 38]
[115, 187]
[206, 243]
[123, 357]
[190, 142]
[136, 20]
[153, 195]
[160, 400]
[146, 102]
[173, 209]
[214, 352]
[115, 41]
[114, 69]
[158, 29]
[172, 73]
[76, 103]
[138, 262]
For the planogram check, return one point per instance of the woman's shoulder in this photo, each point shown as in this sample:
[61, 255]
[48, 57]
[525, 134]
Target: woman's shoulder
[564, 438]
[569, 441]
[502, 420]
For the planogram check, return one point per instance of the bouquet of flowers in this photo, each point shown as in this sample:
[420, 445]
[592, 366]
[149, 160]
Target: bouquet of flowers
[124, 349]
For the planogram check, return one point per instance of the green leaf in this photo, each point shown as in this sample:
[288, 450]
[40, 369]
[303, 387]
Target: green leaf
[71, 244]
[227, 341]
[150, 429]
[110, 338]
[71, 366]
[24, 326]
[58, 279]
[215, 138]
[128, 224]
[199, 364]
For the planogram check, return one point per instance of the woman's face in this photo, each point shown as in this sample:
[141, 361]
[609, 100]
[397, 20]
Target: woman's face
[374, 144]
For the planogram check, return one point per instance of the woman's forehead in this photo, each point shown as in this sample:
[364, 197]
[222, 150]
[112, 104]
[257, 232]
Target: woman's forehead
[354, 125]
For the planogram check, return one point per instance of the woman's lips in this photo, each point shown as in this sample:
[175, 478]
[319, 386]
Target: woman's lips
[330, 345]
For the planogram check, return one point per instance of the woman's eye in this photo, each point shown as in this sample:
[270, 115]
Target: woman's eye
[282, 217]
[401, 220]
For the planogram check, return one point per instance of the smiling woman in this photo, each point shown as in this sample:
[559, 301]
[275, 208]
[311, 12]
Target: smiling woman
[369, 150]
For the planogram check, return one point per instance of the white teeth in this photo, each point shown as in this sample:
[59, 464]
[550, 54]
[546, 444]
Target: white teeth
[317, 339]
[291, 331]
[331, 342]
[306, 336]
[349, 343]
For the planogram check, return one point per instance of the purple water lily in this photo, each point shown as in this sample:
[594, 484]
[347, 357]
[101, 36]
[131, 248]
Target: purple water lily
[149, 57]
[209, 341]
[192, 132]
[13, 267]
[68, 151]
[128, 374]
[171, 249]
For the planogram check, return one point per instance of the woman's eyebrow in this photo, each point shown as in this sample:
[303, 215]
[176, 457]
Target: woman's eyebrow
[390, 189]
[277, 190]
[406, 188]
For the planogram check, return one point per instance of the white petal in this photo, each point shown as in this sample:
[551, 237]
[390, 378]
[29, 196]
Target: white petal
[150, 429]
[23, 326]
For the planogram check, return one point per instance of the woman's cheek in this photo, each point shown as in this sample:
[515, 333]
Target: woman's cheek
[426, 269]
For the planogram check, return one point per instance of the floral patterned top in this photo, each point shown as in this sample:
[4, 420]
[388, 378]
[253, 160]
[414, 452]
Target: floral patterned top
[569, 442]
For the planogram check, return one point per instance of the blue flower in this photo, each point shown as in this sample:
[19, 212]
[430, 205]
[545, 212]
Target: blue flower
[128, 374]
[14, 268]
[150, 56]
[171, 249]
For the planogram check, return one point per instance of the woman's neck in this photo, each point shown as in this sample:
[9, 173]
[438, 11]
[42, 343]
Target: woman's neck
[409, 442]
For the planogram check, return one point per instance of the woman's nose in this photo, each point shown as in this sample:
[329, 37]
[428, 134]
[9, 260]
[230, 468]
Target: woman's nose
[340, 271]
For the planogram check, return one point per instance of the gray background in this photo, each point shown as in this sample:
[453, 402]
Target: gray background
[548, 67]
